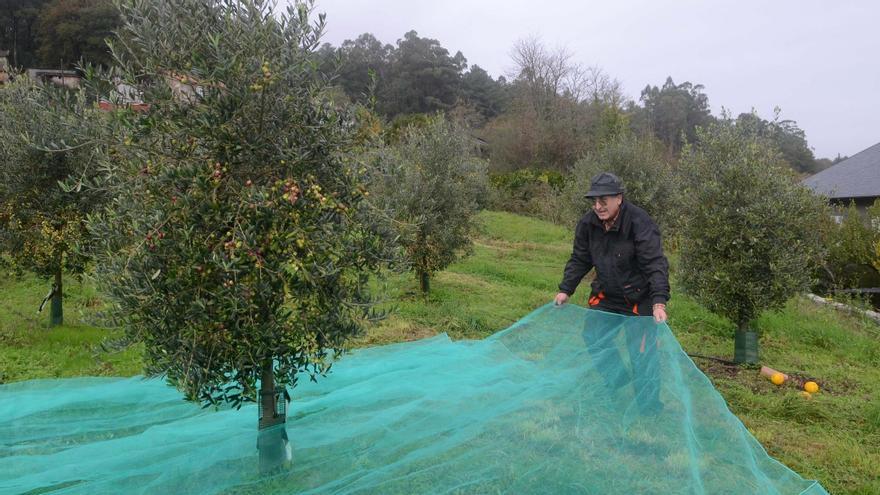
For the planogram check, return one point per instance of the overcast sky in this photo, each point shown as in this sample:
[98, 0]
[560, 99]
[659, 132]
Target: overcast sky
[818, 60]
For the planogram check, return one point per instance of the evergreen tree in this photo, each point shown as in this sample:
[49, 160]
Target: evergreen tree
[49, 135]
[751, 234]
[433, 187]
[236, 248]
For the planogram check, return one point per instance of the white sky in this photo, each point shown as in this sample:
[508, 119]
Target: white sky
[819, 61]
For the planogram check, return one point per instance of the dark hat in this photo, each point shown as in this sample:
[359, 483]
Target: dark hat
[605, 184]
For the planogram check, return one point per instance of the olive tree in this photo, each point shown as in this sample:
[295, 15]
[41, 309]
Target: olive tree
[433, 186]
[751, 233]
[47, 135]
[236, 246]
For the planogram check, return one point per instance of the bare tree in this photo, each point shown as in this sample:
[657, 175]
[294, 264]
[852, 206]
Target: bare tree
[555, 111]
[551, 74]
[599, 87]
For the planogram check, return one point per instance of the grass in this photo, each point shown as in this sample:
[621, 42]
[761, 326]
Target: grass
[515, 267]
[29, 349]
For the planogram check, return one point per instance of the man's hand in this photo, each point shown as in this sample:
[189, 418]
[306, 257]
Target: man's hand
[660, 313]
[561, 299]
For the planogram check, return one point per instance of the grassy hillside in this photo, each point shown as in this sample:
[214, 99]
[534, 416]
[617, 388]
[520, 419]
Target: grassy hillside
[515, 267]
[28, 349]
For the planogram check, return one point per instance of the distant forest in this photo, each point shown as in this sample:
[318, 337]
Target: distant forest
[546, 114]
[551, 109]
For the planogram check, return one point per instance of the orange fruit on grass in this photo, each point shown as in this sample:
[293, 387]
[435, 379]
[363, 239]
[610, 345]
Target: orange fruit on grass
[777, 378]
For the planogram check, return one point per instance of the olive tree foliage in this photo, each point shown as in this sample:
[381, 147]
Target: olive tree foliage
[236, 247]
[48, 135]
[641, 164]
[433, 186]
[751, 234]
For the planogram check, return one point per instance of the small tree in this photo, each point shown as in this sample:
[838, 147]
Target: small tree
[47, 136]
[433, 186]
[751, 234]
[236, 247]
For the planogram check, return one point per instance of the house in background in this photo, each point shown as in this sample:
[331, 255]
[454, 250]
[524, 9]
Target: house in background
[58, 77]
[854, 180]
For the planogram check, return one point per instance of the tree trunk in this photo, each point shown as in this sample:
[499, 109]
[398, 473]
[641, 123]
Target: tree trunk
[745, 349]
[56, 312]
[269, 411]
[272, 441]
[14, 62]
[424, 282]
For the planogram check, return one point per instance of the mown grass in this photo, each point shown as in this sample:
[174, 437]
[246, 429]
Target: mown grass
[515, 267]
[30, 349]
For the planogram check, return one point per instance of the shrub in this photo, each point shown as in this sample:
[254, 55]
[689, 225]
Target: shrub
[876, 261]
[532, 192]
[851, 249]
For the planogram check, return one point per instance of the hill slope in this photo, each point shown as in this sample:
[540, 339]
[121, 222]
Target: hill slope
[515, 267]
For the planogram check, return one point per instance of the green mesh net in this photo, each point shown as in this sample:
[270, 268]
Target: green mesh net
[567, 400]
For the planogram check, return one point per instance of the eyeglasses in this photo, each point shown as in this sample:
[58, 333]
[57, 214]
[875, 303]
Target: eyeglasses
[601, 200]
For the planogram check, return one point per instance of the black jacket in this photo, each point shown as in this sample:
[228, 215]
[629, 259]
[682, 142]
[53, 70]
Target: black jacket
[629, 260]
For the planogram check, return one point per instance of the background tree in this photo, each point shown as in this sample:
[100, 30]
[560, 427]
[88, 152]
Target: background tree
[751, 233]
[236, 248]
[18, 30]
[48, 135]
[488, 96]
[554, 112]
[359, 61]
[787, 137]
[673, 112]
[433, 186]
[823, 163]
[70, 30]
[418, 75]
[424, 77]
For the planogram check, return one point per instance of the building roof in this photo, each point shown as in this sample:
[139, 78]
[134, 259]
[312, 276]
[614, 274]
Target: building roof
[856, 177]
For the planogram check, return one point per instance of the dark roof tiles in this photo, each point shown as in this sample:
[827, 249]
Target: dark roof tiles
[856, 177]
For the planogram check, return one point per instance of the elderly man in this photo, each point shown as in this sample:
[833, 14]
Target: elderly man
[632, 275]
[623, 243]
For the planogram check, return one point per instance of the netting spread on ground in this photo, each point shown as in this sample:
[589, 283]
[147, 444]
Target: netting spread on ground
[567, 400]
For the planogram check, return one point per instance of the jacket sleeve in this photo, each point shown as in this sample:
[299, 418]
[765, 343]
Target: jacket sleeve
[652, 262]
[580, 261]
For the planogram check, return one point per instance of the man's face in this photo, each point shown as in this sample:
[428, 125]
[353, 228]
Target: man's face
[606, 206]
